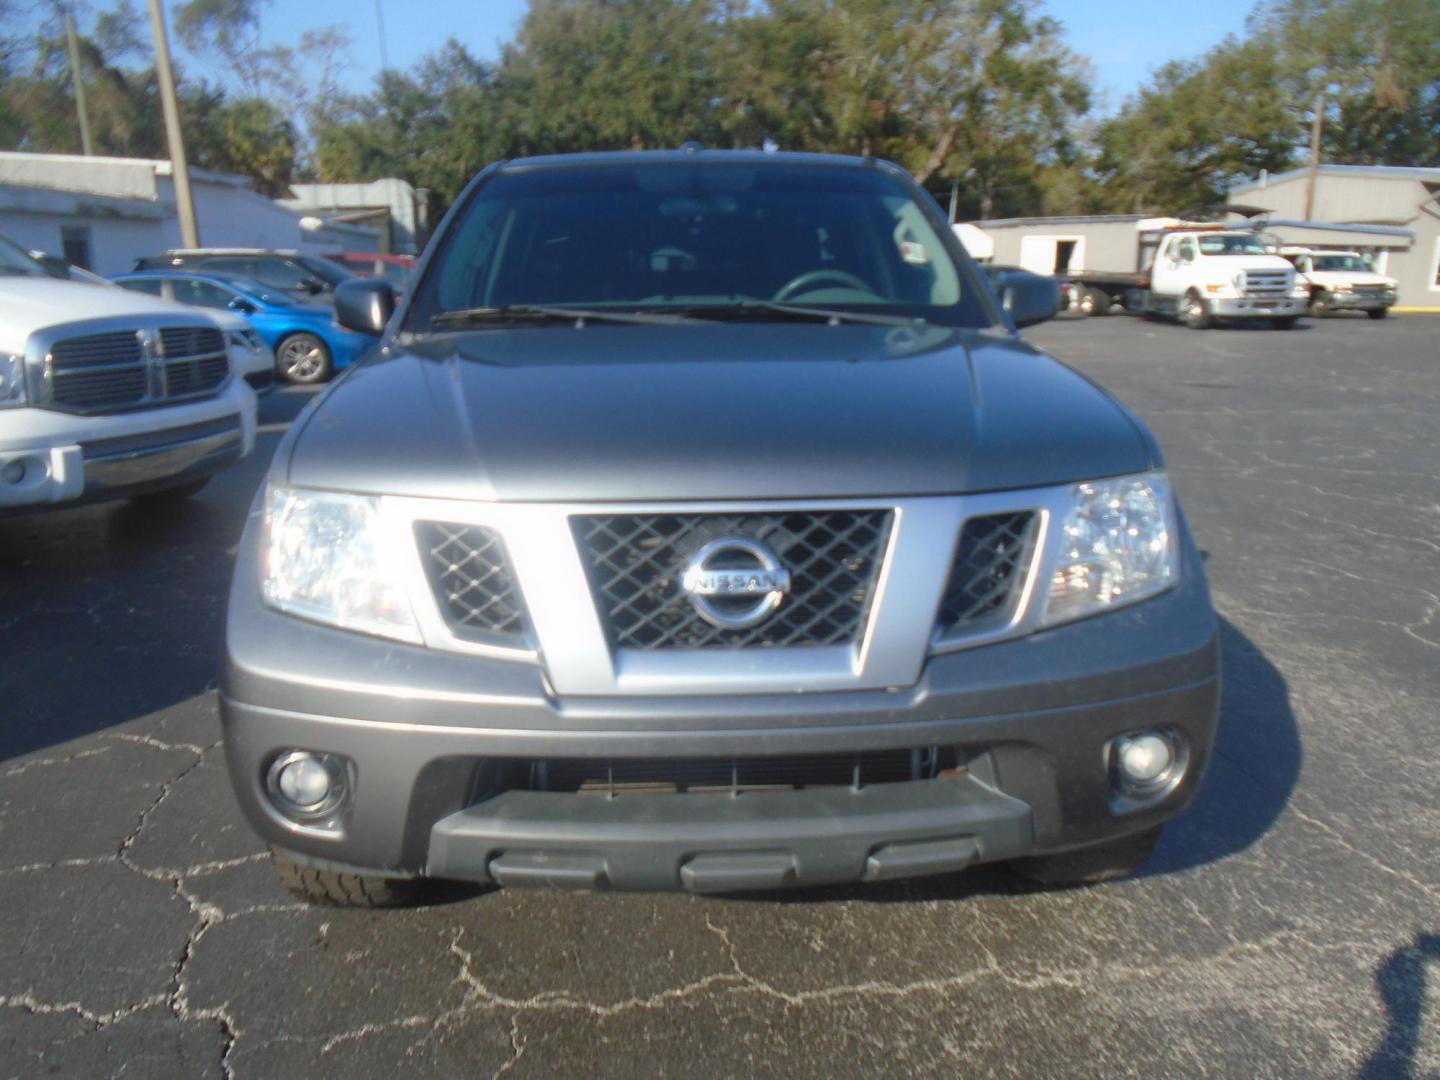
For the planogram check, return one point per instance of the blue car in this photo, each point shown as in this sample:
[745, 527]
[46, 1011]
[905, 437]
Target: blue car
[309, 345]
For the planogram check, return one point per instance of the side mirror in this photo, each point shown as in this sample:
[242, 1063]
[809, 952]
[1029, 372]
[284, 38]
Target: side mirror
[240, 304]
[1031, 300]
[364, 304]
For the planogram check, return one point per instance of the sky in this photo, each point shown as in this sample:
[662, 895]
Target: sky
[1125, 39]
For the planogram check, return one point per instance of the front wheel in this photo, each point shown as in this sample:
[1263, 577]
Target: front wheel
[1320, 303]
[335, 889]
[1092, 865]
[1378, 313]
[1197, 313]
[303, 359]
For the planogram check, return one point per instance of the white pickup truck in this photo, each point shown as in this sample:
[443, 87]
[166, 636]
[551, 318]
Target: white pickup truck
[1198, 273]
[109, 394]
[1342, 281]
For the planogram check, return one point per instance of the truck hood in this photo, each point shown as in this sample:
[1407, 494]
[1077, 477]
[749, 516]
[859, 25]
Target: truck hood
[33, 303]
[1331, 278]
[622, 413]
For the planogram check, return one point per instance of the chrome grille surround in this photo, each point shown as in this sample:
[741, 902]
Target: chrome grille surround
[131, 362]
[637, 562]
[569, 639]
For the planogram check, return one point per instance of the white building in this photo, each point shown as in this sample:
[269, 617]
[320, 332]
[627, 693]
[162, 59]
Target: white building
[390, 205]
[1360, 196]
[104, 212]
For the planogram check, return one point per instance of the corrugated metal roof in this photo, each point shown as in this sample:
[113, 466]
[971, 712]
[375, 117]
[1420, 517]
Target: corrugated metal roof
[1388, 172]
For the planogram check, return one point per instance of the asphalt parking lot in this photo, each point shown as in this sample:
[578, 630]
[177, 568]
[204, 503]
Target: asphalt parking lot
[1289, 925]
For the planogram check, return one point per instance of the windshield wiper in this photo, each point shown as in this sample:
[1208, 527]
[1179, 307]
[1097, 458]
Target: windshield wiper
[512, 313]
[750, 305]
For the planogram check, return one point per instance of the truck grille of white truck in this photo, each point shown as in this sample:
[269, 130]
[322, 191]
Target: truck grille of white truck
[1267, 283]
[124, 369]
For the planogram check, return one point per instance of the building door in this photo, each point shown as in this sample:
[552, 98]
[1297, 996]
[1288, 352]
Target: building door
[75, 245]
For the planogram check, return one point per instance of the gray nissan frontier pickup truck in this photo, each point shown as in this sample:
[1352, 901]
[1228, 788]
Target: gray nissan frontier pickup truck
[700, 522]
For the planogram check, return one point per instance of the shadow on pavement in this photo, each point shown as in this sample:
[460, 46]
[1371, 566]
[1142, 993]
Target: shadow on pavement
[114, 611]
[1255, 767]
[1401, 980]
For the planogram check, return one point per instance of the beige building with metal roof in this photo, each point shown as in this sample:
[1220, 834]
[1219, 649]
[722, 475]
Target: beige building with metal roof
[1359, 199]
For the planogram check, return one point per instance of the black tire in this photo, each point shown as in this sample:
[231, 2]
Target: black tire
[171, 495]
[1196, 312]
[1320, 304]
[302, 358]
[1095, 301]
[1092, 865]
[334, 889]
[1378, 313]
[1284, 322]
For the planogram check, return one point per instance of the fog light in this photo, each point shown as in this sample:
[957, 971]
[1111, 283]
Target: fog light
[307, 787]
[1146, 764]
[1143, 759]
[14, 471]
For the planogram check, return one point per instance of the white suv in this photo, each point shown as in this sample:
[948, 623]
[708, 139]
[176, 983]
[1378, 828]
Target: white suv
[1343, 281]
[107, 394]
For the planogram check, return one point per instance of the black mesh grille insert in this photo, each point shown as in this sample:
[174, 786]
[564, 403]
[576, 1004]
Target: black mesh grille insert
[988, 574]
[637, 563]
[470, 574]
[178, 341]
[640, 776]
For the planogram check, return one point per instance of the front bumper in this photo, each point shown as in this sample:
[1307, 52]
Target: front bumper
[1030, 716]
[1351, 301]
[1257, 307]
[69, 459]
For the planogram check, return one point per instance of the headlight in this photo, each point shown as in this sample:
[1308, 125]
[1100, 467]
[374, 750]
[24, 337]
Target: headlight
[12, 381]
[325, 559]
[1117, 546]
[1341, 287]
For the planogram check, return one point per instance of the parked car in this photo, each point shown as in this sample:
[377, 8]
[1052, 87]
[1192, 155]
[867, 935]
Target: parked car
[396, 269]
[716, 531]
[1342, 281]
[109, 395]
[302, 276]
[308, 345]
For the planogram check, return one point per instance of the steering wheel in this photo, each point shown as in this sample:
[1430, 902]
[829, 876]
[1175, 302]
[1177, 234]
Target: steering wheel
[806, 281]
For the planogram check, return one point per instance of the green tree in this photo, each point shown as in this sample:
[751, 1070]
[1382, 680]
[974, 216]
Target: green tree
[1375, 64]
[1180, 142]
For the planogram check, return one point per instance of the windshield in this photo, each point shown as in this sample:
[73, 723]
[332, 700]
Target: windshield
[692, 236]
[1339, 262]
[263, 293]
[1231, 244]
[15, 263]
[327, 271]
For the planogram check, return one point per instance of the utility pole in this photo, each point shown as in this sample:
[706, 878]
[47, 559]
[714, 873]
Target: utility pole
[380, 22]
[179, 167]
[954, 199]
[1315, 128]
[79, 83]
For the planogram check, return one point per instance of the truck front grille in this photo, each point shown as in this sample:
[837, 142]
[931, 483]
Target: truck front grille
[470, 575]
[1267, 283]
[111, 371]
[987, 575]
[637, 563]
[732, 776]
